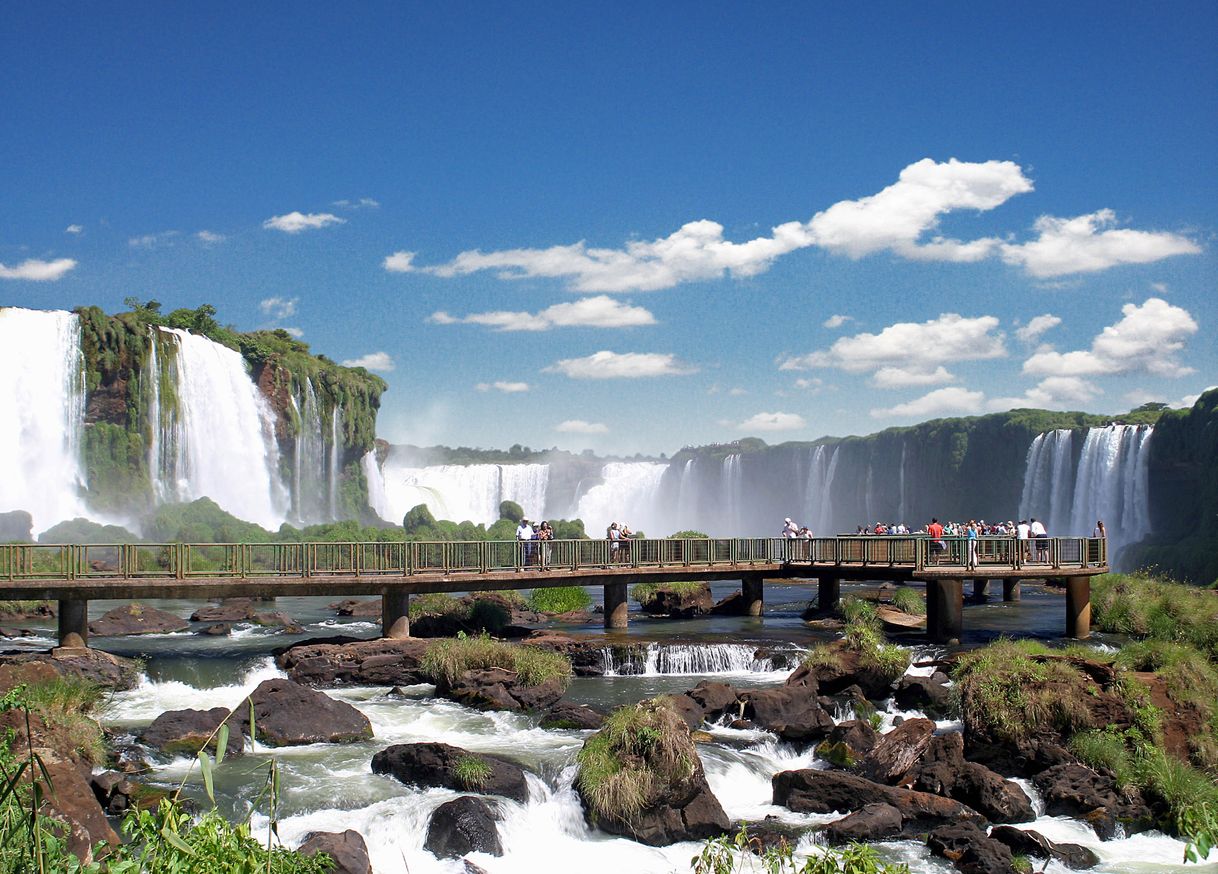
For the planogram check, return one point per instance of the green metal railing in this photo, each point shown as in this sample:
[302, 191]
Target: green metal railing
[186, 561]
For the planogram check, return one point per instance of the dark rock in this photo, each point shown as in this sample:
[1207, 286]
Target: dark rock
[898, 751]
[859, 736]
[228, 610]
[289, 714]
[715, 699]
[435, 764]
[184, 732]
[463, 825]
[690, 711]
[874, 822]
[342, 662]
[1077, 791]
[136, 619]
[844, 670]
[813, 791]
[277, 619]
[347, 850]
[564, 714]
[216, 629]
[944, 771]
[930, 694]
[685, 811]
[793, 713]
[968, 847]
[500, 689]
[100, 668]
[1025, 842]
[685, 603]
[359, 609]
[733, 605]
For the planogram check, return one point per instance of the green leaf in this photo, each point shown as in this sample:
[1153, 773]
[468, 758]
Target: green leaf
[175, 841]
[205, 768]
[221, 742]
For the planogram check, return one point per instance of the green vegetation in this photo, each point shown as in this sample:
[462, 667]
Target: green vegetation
[645, 593]
[86, 531]
[909, 601]
[25, 608]
[740, 853]
[66, 705]
[445, 660]
[560, 599]
[639, 750]
[862, 634]
[472, 772]
[1157, 608]
[419, 524]
[688, 535]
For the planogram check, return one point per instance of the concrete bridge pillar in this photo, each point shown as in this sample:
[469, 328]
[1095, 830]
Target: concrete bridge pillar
[616, 605]
[752, 588]
[981, 589]
[395, 614]
[1078, 607]
[828, 593]
[944, 610]
[1010, 590]
[74, 623]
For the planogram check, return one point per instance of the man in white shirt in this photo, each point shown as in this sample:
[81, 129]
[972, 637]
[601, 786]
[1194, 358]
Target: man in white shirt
[789, 528]
[1022, 531]
[524, 532]
[1041, 536]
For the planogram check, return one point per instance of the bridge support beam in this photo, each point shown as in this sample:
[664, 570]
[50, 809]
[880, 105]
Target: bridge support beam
[395, 614]
[944, 610]
[1078, 607]
[616, 605]
[1010, 590]
[828, 593]
[74, 623]
[981, 589]
[752, 591]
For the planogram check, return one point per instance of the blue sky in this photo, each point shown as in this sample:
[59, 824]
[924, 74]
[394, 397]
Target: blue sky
[556, 223]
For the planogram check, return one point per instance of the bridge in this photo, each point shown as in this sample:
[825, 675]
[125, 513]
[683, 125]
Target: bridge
[74, 574]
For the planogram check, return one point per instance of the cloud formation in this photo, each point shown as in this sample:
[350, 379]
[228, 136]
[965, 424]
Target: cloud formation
[295, 222]
[209, 238]
[381, 361]
[505, 387]
[939, 402]
[361, 203]
[74, 229]
[836, 321]
[151, 241]
[279, 307]
[1148, 338]
[579, 426]
[1052, 393]
[601, 311]
[36, 270]
[1037, 326]
[622, 365]
[910, 353]
[772, 422]
[1088, 243]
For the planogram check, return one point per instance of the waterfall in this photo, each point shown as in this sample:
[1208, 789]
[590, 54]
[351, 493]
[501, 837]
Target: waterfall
[42, 396]
[1111, 483]
[628, 492]
[688, 507]
[461, 492]
[691, 659]
[1048, 480]
[310, 488]
[223, 433]
[375, 478]
[901, 510]
[333, 469]
[732, 485]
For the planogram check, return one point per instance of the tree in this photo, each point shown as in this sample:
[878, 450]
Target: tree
[418, 520]
[511, 511]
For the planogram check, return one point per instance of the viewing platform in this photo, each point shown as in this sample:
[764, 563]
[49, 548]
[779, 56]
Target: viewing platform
[74, 574]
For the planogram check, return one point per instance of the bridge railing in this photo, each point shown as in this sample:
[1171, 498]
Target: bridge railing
[54, 562]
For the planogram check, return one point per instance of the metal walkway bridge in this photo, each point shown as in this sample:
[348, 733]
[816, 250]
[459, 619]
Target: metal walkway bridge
[74, 574]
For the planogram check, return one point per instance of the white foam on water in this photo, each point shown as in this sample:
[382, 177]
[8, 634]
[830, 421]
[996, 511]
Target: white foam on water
[151, 698]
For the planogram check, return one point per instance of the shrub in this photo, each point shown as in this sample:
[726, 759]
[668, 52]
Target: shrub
[739, 853]
[435, 604]
[688, 535]
[1156, 608]
[65, 705]
[644, 593]
[909, 601]
[472, 772]
[446, 660]
[1105, 750]
[560, 599]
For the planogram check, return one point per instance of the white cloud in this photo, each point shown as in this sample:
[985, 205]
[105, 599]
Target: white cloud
[813, 384]
[1148, 338]
[737, 392]
[1036, 326]
[279, 307]
[295, 222]
[579, 426]
[295, 332]
[400, 262]
[1160, 287]
[953, 399]
[624, 365]
[209, 238]
[601, 311]
[362, 203]
[1088, 243]
[151, 241]
[1052, 393]
[836, 321]
[910, 353]
[381, 361]
[35, 270]
[773, 422]
[1189, 400]
[74, 229]
[505, 387]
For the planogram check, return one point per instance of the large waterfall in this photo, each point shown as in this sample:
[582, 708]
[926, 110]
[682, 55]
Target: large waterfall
[217, 434]
[462, 492]
[42, 398]
[1071, 487]
[628, 493]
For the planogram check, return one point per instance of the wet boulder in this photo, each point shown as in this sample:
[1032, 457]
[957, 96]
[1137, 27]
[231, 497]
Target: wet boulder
[500, 689]
[228, 610]
[715, 699]
[1076, 791]
[1025, 842]
[944, 771]
[347, 850]
[896, 752]
[931, 695]
[440, 764]
[792, 713]
[565, 714]
[136, 619]
[873, 822]
[346, 661]
[463, 825]
[289, 714]
[184, 732]
[277, 619]
[843, 668]
[966, 845]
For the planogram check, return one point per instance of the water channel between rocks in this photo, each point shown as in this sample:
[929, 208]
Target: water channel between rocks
[332, 787]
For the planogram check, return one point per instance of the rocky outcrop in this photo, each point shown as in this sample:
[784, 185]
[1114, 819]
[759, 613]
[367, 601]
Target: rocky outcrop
[1025, 842]
[184, 732]
[347, 661]
[874, 822]
[439, 764]
[565, 714]
[716, 700]
[289, 714]
[117, 793]
[500, 689]
[136, 619]
[111, 672]
[347, 850]
[930, 694]
[1076, 791]
[228, 610]
[967, 846]
[463, 825]
[944, 771]
[277, 619]
[792, 712]
[891, 758]
[684, 602]
[845, 669]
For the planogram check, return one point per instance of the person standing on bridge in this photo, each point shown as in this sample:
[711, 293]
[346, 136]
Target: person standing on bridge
[1041, 536]
[789, 529]
[525, 534]
[935, 531]
[972, 532]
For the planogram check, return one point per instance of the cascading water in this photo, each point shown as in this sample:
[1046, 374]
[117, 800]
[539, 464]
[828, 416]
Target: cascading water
[675, 659]
[627, 493]
[222, 442]
[333, 468]
[42, 396]
[461, 492]
[1111, 484]
[688, 494]
[377, 499]
[732, 484]
[310, 487]
[1048, 479]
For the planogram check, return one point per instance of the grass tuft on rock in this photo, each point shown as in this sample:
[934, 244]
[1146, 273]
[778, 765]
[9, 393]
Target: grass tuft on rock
[66, 705]
[1153, 607]
[560, 599]
[863, 633]
[446, 660]
[472, 772]
[909, 601]
[639, 749]
[645, 593]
